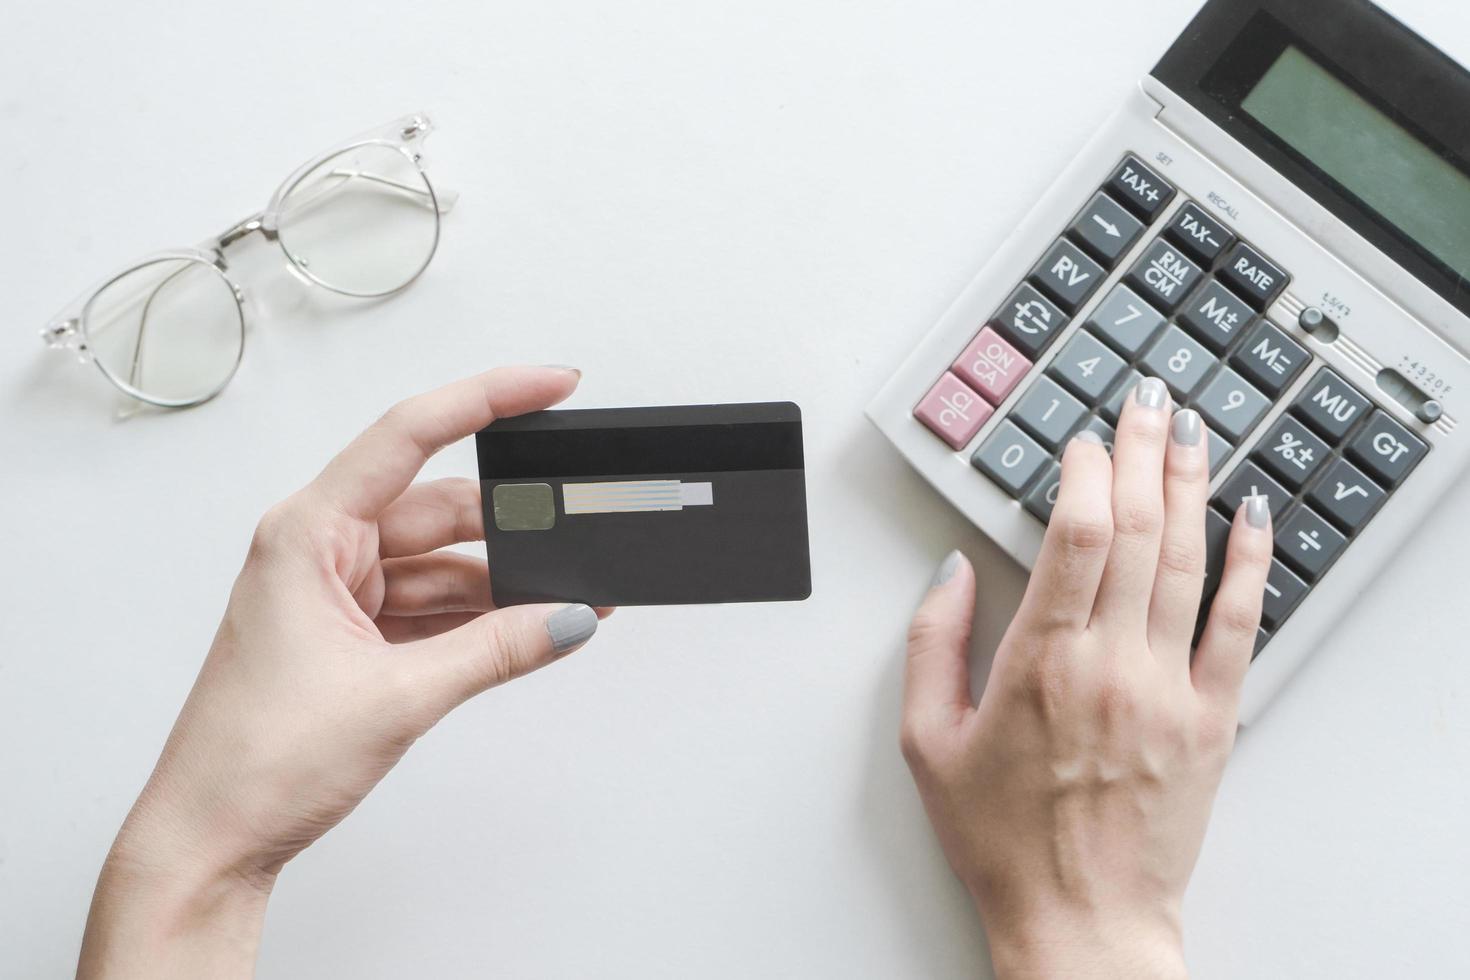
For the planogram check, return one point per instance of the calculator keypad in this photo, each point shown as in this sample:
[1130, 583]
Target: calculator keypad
[1188, 310]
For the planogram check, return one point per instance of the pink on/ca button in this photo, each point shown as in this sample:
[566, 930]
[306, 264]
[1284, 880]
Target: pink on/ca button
[991, 366]
[953, 411]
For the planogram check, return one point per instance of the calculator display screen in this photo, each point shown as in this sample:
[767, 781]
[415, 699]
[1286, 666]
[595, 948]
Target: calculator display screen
[1377, 160]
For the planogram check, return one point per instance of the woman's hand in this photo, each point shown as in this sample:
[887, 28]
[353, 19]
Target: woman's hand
[1072, 800]
[347, 636]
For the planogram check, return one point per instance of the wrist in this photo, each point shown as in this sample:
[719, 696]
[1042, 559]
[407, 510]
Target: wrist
[1060, 942]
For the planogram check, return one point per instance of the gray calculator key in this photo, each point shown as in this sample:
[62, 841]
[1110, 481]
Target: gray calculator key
[1010, 458]
[1346, 496]
[1048, 412]
[1217, 538]
[1113, 407]
[1291, 453]
[1308, 543]
[1269, 359]
[1220, 450]
[1108, 435]
[1140, 190]
[1028, 320]
[1216, 316]
[1231, 405]
[1067, 275]
[1105, 229]
[1179, 360]
[1043, 497]
[1087, 368]
[1330, 405]
[1197, 233]
[1262, 638]
[1125, 321]
[1252, 275]
[1163, 276]
[1387, 450]
[1283, 591]
[1247, 481]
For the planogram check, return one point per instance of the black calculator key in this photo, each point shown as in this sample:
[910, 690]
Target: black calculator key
[1179, 361]
[1248, 481]
[1087, 368]
[1010, 458]
[1197, 233]
[1216, 316]
[1217, 537]
[1269, 359]
[1283, 591]
[1346, 496]
[1028, 320]
[1040, 499]
[1262, 638]
[1291, 453]
[1330, 405]
[1139, 189]
[1386, 450]
[1308, 543]
[1105, 229]
[1231, 404]
[1067, 275]
[1163, 276]
[1126, 322]
[1252, 275]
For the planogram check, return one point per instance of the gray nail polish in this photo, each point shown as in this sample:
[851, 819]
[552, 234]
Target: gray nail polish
[571, 626]
[947, 568]
[1257, 511]
[1186, 427]
[1151, 393]
[1087, 435]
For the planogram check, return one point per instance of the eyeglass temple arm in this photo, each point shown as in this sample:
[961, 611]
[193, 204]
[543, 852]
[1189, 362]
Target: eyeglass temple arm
[445, 198]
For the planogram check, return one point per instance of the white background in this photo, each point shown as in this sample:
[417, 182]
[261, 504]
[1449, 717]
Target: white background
[693, 201]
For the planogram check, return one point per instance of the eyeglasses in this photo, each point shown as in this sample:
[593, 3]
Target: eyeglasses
[360, 219]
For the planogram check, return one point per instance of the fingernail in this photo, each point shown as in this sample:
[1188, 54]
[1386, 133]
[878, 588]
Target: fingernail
[1151, 393]
[571, 626]
[1087, 435]
[1257, 510]
[947, 568]
[564, 367]
[1186, 427]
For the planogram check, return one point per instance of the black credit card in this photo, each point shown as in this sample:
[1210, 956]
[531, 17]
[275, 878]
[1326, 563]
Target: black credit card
[646, 506]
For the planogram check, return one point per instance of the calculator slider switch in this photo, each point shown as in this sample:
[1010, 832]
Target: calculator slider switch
[1318, 324]
[1429, 412]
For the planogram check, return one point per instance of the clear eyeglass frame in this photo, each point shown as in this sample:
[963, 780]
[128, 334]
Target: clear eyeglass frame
[72, 328]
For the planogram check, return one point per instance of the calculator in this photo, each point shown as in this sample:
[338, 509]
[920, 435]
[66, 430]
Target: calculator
[1276, 223]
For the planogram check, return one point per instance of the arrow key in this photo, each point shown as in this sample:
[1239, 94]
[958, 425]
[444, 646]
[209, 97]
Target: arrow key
[1105, 230]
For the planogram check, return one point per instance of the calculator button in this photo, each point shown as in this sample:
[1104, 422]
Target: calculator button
[1028, 320]
[1231, 404]
[1216, 316]
[1262, 638]
[1163, 276]
[1113, 407]
[1330, 405]
[1290, 452]
[1067, 275]
[1346, 496]
[1283, 591]
[1269, 359]
[1048, 412]
[1125, 321]
[952, 411]
[1139, 189]
[1387, 450]
[1105, 229]
[1043, 497]
[1179, 360]
[1097, 425]
[1198, 234]
[1087, 368]
[1220, 450]
[1252, 275]
[1010, 458]
[1217, 539]
[1248, 481]
[991, 366]
[1308, 543]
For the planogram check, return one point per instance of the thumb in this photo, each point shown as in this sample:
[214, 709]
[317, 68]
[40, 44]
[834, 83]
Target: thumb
[937, 676]
[501, 646]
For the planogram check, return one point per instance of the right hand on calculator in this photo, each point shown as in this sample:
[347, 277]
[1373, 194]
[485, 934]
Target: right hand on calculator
[1072, 800]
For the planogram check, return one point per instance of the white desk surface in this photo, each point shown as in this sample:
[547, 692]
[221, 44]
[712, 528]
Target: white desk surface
[693, 201]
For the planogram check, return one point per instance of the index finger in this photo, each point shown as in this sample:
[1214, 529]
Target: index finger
[379, 465]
